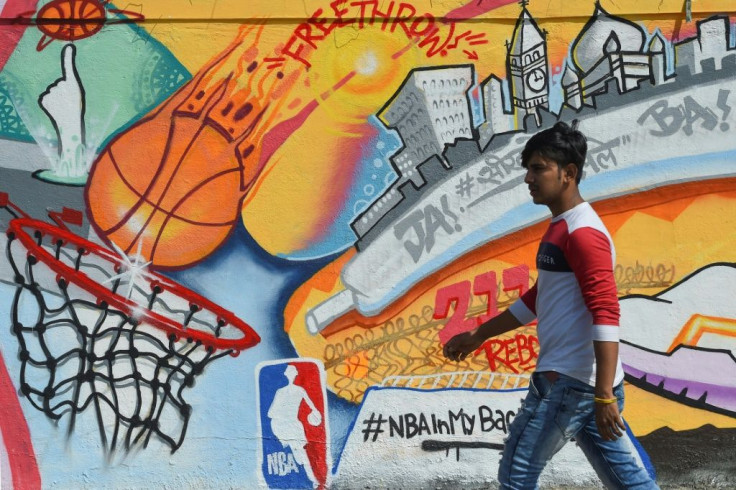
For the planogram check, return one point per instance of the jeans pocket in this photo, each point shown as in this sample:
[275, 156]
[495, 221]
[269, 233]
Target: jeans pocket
[533, 386]
[539, 385]
[575, 410]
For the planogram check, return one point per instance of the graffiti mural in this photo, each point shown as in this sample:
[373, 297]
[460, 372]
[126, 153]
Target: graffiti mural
[236, 235]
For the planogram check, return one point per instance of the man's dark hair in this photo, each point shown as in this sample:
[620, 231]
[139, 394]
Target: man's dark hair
[561, 143]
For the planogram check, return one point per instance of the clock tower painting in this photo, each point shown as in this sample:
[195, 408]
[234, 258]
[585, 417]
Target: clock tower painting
[527, 67]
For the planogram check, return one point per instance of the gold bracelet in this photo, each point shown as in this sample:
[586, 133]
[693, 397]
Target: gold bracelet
[605, 401]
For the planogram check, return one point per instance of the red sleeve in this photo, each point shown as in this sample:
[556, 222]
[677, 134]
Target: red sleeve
[530, 299]
[588, 252]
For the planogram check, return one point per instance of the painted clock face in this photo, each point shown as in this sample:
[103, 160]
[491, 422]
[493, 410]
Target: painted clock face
[536, 80]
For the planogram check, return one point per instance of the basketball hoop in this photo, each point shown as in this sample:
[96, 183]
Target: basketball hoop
[84, 343]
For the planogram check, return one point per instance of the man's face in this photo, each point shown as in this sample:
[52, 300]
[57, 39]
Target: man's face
[545, 180]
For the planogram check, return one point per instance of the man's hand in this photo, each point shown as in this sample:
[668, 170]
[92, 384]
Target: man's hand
[461, 345]
[608, 419]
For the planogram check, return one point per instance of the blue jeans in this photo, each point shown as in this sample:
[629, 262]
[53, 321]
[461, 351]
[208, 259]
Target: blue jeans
[551, 415]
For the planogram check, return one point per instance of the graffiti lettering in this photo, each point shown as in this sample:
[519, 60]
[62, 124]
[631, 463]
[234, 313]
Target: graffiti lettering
[281, 464]
[465, 185]
[395, 15]
[459, 295]
[517, 354]
[684, 116]
[694, 111]
[724, 107]
[501, 421]
[440, 46]
[601, 155]
[466, 421]
[638, 276]
[373, 427]
[415, 426]
[434, 220]
[425, 224]
[414, 220]
[411, 425]
[514, 279]
[667, 118]
[486, 285]
[496, 169]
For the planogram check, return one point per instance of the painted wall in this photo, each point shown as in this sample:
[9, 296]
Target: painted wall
[237, 234]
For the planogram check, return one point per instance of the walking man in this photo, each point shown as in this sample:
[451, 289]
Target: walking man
[577, 388]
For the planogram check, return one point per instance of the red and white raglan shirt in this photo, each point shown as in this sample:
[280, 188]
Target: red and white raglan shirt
[574, 300]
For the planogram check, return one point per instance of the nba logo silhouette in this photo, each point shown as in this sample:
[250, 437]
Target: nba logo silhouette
[293, 424]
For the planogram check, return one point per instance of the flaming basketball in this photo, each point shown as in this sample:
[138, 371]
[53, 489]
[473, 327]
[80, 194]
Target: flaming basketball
[173, 183]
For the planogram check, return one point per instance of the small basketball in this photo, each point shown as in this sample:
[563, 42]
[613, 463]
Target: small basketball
[70, 20]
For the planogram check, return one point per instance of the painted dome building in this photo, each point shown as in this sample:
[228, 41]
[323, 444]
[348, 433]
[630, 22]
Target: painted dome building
[608, 47]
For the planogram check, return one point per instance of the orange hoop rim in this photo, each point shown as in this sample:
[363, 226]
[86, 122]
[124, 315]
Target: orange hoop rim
[18, 228]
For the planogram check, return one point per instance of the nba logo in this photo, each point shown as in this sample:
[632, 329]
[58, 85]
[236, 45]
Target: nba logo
[293, 424]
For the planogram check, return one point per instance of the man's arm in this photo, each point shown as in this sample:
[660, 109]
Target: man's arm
[607, 417]
[520, 313]
[589, 255]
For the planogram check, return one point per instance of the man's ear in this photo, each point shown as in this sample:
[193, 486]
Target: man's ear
[571, 171]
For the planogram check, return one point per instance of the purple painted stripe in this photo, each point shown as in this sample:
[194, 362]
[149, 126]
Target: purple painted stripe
[700, 372]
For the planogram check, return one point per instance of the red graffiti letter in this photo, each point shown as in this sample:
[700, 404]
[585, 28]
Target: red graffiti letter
[485, 285]
[516, 278]
[459, 295]
[401, 19]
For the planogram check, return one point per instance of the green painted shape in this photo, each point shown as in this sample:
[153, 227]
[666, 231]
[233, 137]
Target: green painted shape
[124, 71]
[50, 176]
[11, 124]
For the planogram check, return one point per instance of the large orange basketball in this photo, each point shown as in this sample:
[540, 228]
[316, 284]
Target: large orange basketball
[180, 218]
[173, 182]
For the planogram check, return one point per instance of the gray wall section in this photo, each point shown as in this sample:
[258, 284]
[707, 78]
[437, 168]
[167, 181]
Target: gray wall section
[21, 155]
[37, 198]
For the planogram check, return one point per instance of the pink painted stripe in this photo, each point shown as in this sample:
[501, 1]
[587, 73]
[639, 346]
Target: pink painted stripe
[344, 80]
[281, 132]
[404, 49]
[11, 34]
[475, 8]
[16, 436]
